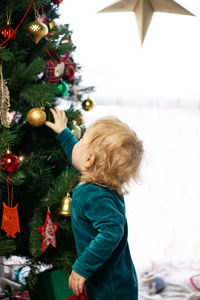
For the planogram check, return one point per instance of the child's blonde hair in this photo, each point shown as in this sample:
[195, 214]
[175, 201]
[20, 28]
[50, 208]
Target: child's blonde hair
[117, 154]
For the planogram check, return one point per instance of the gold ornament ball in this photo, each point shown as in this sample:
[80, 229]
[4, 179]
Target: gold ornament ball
[36, 117]
[76, 130]
[36, 30]
[88, 104]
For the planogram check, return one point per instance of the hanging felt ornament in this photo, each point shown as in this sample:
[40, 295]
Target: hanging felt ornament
[4, 101]
[54, 73]
[10, 218]
[59, 70]
[48, 231]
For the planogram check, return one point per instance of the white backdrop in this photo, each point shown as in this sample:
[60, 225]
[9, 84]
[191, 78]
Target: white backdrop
[165, 71]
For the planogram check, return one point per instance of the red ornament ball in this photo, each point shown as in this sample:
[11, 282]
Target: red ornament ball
[7, 33]
[10, 163]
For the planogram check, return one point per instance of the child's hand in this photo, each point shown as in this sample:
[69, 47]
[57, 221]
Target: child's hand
[60, 120]
[76, 282]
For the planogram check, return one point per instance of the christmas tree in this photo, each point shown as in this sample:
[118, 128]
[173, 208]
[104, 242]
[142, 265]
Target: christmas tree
[37, 70]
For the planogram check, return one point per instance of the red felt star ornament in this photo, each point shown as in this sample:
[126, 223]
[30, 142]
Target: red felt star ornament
[48, 231]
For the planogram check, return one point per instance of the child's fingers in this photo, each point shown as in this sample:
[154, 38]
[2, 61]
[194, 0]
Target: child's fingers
[70, 282]
[50, 124]
[75, 286]
[64, 117]
[80, 286]
[59, 112]
[54, 113]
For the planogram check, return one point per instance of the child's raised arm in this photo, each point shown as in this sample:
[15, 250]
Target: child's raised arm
[60, 120]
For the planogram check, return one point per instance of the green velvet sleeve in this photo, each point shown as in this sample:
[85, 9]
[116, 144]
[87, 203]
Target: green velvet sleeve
[106, 219]
[67, 141]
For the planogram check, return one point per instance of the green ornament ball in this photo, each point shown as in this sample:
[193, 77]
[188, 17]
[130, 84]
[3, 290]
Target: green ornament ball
[62, 88]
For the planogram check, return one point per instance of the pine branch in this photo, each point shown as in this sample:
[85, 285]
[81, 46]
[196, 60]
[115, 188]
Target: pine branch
[34, 93]
[7, 246]
[7, 139]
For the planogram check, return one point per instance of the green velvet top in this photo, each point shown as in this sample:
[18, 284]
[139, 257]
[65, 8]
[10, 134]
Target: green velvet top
[100, 230]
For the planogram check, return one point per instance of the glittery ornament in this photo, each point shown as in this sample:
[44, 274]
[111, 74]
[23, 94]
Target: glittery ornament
[36, 116]
[4, 101]
[10, 163]
[88, 104]
[7, 34]
[36, 30]
[48, 231]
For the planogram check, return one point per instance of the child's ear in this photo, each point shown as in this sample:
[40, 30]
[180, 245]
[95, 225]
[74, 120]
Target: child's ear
[89, 160]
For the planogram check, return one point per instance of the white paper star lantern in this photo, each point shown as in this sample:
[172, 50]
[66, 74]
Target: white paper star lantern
[144, 10]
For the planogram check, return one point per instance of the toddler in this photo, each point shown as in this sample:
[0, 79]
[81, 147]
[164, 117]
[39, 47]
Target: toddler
[107, 156]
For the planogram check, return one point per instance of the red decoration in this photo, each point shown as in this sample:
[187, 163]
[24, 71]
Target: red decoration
[50, 73]
[82, 296]
[48, 231]
[57, 1]
[69, 71]
[7, 33]
[24, 16]
[10, 220]
[10, 163]
[69, 74]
